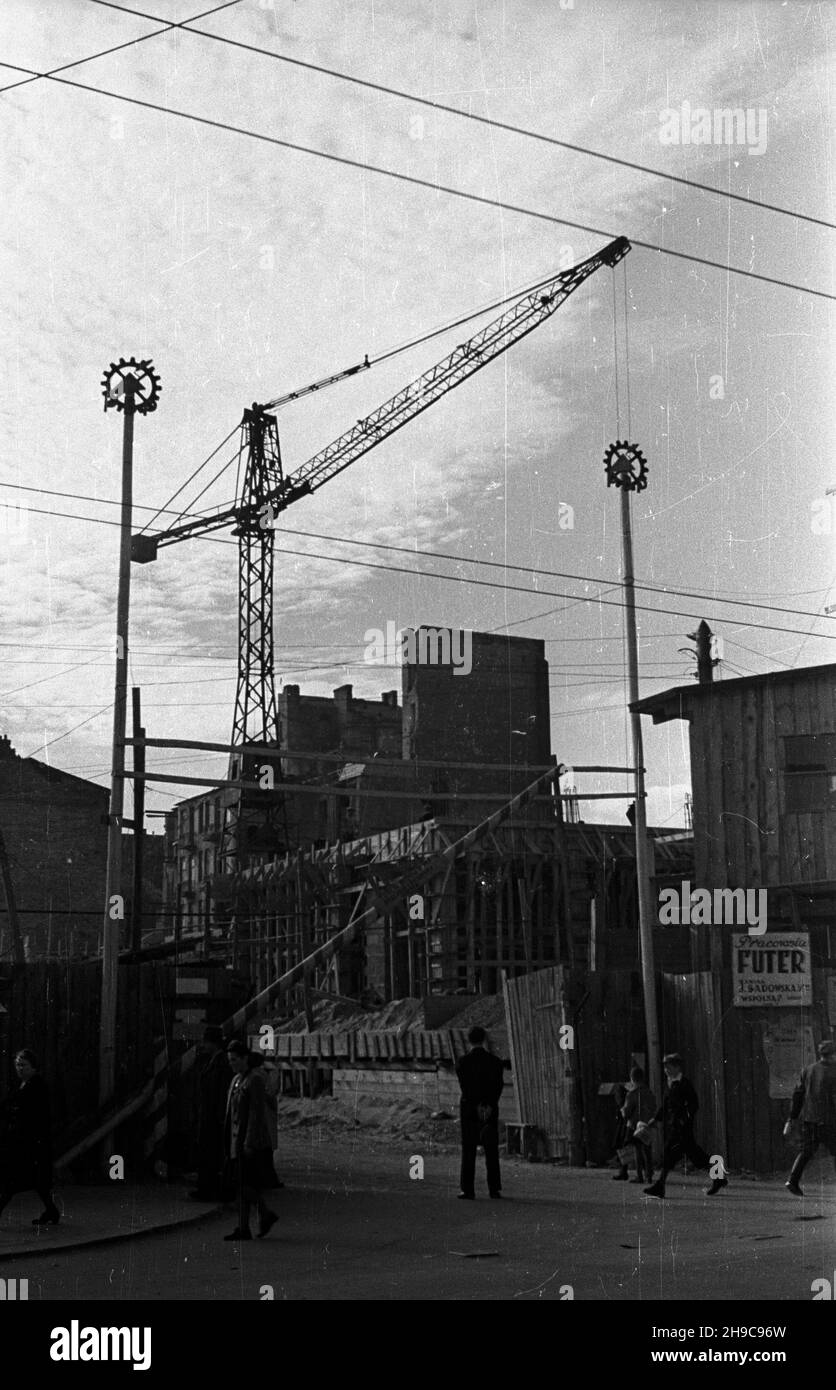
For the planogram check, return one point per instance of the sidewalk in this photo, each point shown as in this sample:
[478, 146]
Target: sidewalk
[94, 1215]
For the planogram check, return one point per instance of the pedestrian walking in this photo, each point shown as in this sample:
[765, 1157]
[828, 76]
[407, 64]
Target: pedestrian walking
[249, 1143]
[676, 1115]
[481, 1081]
[639, 1107]
[214, 1082]
[814, 1104]
[619, 1136]
[25, 1126]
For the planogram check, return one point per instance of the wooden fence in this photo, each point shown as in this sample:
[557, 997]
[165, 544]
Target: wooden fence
[54, 1009]
[539, 1013]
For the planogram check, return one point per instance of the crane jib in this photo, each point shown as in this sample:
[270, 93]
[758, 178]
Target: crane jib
[519, 319]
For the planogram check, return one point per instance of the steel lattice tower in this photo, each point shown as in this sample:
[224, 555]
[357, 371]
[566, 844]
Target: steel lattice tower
[256, 717]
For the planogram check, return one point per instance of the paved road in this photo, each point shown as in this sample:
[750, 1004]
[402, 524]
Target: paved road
[354, 1226]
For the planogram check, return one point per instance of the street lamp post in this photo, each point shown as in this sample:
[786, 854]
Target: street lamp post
[132, 387]
[626, 469]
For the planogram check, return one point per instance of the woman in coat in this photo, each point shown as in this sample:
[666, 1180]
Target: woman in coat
[638, 1110]
[26, 1155]
[249, 1141]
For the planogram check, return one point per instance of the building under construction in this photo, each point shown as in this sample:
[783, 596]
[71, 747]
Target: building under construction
[533, 892]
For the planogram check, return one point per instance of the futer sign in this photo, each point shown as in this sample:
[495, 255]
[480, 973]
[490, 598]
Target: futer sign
[772, 971]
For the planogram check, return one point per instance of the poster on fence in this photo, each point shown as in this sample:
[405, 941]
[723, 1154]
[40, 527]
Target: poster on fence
[788, 1049]
[772, 970]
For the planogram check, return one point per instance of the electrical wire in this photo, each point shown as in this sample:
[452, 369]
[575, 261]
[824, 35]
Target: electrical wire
[482, 583]
[548, 574]
[543, 593]
[43, 746]
[470, 116]
[765, 656]
[104, 53]
[415, 181]
[113, 501]
[714, 597]
[68, 670]
[462, 559]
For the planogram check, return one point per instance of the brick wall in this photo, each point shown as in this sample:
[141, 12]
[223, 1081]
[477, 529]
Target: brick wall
[57, 846]
[498, 713]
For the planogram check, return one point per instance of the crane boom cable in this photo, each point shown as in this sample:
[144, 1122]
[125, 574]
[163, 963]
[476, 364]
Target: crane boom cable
[524, 315]
[233, 458]
[167, 505]
[495, 338]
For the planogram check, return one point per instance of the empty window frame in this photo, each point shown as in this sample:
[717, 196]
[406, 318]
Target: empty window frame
[810, 772]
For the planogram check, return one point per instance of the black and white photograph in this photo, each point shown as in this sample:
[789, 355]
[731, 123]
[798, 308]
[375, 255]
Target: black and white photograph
[417, 682]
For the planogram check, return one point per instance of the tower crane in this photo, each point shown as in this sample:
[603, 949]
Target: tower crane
[266, 491]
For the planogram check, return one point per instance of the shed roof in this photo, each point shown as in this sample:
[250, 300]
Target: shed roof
[678, 702]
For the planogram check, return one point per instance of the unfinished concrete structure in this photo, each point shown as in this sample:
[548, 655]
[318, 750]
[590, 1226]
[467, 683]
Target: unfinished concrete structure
[343, 727]
[535, 892]
[462, 742]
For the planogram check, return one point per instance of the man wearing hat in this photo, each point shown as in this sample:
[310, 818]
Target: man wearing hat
[814, 1104]
[481, 1081]
[214, 1082]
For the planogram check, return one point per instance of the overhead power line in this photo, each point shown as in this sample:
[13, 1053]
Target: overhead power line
[483, 583]
[454, 559]
[549, 574]
[130, 43]
[481, 199]
[114, 502]
[540, 593]
[42, 747]
[494, 124]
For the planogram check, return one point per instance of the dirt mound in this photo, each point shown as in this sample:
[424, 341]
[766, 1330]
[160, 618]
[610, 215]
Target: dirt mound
[343, 1017]
[404, 1120]
[488, 1012]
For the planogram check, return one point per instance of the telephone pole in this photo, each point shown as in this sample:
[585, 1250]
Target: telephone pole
[626, 469]
[132, 387]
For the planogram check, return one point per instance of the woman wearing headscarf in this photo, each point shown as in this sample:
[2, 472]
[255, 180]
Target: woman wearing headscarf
[249, 1142]
[26, 1159]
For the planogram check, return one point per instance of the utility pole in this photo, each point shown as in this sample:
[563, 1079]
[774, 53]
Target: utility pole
[705, 652]
[132, 387]
[626, 469]
[139, 822]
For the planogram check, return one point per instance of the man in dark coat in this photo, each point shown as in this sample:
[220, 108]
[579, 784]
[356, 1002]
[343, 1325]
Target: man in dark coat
[676, 1114]
[814, 1104]
[26, 1157]
[480, 1077]
[214, 1087]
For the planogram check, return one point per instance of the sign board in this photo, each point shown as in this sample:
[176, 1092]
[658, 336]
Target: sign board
[771, 970]
[788, 1049]
[192, 984]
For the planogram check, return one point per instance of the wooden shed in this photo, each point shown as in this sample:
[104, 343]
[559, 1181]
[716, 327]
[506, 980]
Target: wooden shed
[763, 767]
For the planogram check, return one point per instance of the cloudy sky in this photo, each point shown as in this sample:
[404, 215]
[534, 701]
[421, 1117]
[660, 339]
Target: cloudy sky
[246, 269]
